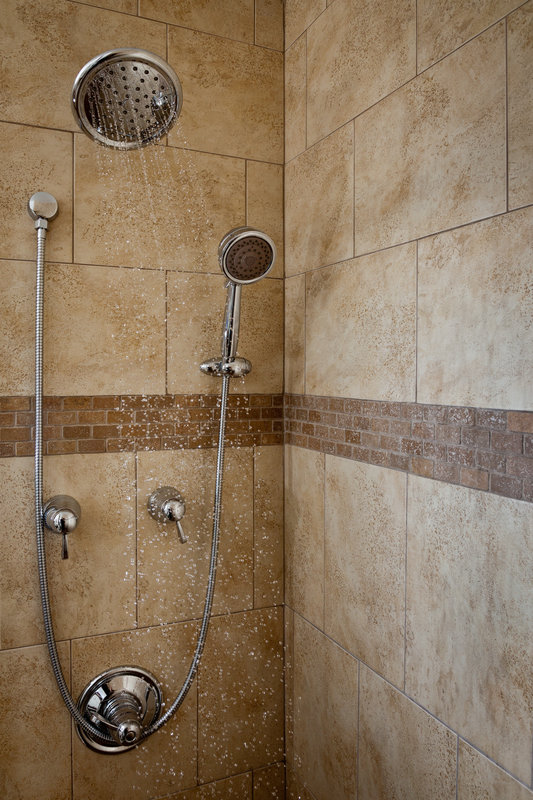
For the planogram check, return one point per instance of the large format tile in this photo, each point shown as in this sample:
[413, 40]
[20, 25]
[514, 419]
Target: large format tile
[241, 694]
[444, 25]
[264, 206]
[231, 18]
[195, 338]
[325, 713]
[57, 39]
[520, 99]
[360, 327]
[236, 788]
[432, 155]
[268, 526]
[319, 204]
[269, 23]
[172, 574]
[403, 751]
[295, 99]
[164, 763]
[104, 330]
[475, 343]
[34, 160]
[365, 563]
[233, 96]
[480, 779]
[35, 730]
[295, 334]
[469, 616]
[304, 533]
[356, 54]
[154, 207]
[91, 592]
[269, 783]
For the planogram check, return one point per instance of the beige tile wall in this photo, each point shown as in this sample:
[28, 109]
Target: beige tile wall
[414, 285]
[131, 257]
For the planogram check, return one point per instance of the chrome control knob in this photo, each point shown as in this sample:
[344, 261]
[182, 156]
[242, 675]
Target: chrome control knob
[61, 514]
[167, 504]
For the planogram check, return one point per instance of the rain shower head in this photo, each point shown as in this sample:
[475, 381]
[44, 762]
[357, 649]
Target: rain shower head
[246, 255]
[126, 98]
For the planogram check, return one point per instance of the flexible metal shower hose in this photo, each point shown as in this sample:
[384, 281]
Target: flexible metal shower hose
[39, 528]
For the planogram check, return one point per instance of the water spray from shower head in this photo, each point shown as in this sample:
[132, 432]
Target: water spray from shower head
[126, 98]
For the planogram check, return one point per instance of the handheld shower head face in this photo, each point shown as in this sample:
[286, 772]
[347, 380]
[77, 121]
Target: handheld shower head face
[246, 255]
[126, 98]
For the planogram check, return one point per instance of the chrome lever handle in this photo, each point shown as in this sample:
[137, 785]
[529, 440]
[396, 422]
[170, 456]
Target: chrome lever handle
[61, 515]
[165, 504]
[181, 533]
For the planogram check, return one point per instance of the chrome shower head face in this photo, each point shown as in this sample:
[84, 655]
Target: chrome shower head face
[246, 255]
[126, 98]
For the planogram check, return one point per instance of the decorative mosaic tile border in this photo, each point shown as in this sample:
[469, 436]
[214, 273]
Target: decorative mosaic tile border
[117, 423]
[480, 448]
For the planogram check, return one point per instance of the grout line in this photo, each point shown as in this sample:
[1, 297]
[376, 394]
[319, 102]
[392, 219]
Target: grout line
[136, 541]
[166, 332]
[416, 239]
[416, 37]
[306, 108]
[358, 736]
[405, 584]
[73, 189]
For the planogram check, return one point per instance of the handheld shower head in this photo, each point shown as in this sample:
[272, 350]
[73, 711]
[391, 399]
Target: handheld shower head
[245, 256]
[126, 98]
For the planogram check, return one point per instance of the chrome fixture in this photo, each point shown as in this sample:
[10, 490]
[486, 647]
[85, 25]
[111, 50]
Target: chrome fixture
[42, 207]
[122, 703]
[126, 98]
[61, 514]
[167, 504]
[245, 256]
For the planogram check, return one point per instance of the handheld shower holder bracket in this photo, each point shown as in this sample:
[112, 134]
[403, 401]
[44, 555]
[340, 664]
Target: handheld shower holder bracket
[234, 367]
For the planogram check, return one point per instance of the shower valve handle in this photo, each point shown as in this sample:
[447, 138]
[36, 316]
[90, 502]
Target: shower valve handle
[61, 515]
[167, 504]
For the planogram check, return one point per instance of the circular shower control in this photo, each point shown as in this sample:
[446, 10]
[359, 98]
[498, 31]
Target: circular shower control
[121, 702]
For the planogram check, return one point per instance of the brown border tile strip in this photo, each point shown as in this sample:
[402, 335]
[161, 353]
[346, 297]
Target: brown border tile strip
[481, 448]
[109, 424]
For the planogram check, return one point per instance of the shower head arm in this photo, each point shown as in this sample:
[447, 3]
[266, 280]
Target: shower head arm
[232, 318]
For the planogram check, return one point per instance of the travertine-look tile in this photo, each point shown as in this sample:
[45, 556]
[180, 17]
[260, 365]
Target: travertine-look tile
[268, 526]
[264, 206]
[432, 155]
[269, 23]
[17, 326]
[295, 334]
[365, 563]
[296, 790]
[241, 694]
[480, 779]
[172, 575]
[288, 623]
[35, 731]
[357, 53]
[167, 760]
[236, 788]
[325, 713]
[299, 14]
[154, 207]
[231, 18]
[269, 783]
[124, 6]
[360, 327]
[304, 533]
[469, 616]
[34, 160]
[444, 25]
[91, 592]
[319, 204]
[221, 114]
[295, 99]
[123, 311]
[195, 316]
[475, 343]
[57, 40]
[520, 88]
[403, 752]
